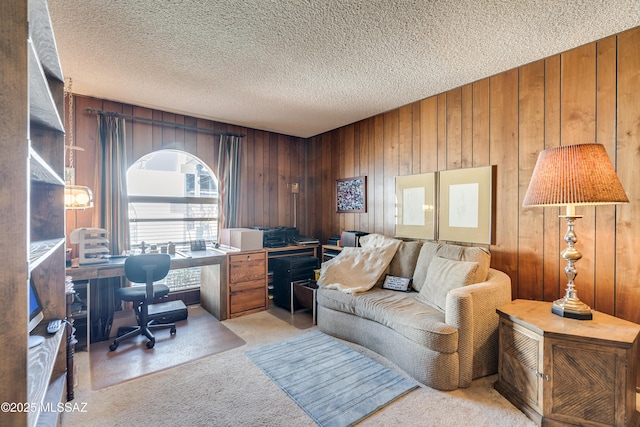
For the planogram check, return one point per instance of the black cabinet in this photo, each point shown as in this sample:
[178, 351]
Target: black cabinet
[287, 270]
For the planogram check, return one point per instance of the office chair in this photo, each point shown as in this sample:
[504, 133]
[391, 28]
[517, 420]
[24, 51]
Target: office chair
[147, 268]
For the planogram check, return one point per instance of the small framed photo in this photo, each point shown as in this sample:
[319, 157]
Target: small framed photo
[351, 194]
[395, 283]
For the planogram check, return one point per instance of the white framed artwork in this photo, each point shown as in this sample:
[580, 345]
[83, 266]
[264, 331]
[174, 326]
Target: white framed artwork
[466, 207]
[415, 206]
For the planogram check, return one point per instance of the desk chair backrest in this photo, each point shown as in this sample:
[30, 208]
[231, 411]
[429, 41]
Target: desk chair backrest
[147, 268]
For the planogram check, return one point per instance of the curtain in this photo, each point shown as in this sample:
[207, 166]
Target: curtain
[112, 213]
[228, 181]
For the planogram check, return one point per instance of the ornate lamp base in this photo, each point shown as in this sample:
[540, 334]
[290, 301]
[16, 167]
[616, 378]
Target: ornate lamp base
[572, 308]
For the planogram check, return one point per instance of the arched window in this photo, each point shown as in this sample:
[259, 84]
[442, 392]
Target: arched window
[173, 197]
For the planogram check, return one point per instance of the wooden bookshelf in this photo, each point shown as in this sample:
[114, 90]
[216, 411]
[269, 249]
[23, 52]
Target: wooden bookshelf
[32, 211]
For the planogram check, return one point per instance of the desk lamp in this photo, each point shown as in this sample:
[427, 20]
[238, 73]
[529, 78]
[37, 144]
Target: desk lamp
[570, 176]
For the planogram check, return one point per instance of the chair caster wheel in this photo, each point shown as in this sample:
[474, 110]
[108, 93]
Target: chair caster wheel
[113, 346]
[172, 331]
[151, 343]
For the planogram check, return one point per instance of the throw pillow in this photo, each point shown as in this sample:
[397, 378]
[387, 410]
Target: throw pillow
[427, 253]
[404, 261]
[444, 275]
[468, 253]
[395, 283]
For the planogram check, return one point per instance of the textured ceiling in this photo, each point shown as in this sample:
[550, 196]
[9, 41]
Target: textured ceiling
[303, 67]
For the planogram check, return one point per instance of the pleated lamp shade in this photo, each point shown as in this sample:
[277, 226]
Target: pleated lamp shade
[574, 175]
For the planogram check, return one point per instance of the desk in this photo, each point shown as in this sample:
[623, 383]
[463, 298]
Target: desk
[212, 286]
[329, 252]
[309, 250]
[115, 267]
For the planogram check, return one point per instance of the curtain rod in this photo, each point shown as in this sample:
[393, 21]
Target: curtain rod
[160, 122]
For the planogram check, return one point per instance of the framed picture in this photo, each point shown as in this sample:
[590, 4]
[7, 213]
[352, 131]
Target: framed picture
[465, 211]
[351, 194]
[416, 206]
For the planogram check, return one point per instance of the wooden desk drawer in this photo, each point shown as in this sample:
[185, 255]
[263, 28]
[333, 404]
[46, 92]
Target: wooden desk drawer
[251, 297]
[246, 286]
[247, 267]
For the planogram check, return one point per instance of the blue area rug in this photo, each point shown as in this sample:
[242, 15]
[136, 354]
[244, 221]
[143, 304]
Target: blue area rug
[334, 384]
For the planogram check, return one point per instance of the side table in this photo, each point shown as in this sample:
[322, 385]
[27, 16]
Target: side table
[303, 292]
[562, 371]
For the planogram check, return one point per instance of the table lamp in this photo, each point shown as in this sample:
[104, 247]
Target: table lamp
[570, 176]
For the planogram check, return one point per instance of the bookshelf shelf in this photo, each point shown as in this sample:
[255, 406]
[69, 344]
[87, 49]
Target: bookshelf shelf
[32, 214]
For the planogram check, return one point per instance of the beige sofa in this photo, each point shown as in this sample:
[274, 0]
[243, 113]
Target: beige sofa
[443, 332]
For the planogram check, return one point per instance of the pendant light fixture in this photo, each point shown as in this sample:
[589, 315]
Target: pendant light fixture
[75, 196]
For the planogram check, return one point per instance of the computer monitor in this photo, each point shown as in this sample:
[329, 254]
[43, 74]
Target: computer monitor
[36, 313]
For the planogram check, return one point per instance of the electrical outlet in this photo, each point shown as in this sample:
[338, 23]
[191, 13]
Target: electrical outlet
[295, 187]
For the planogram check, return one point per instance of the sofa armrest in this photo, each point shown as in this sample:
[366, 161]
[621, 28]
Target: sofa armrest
[472, 310]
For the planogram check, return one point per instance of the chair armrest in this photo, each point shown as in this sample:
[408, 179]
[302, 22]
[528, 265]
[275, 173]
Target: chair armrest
[472, 310]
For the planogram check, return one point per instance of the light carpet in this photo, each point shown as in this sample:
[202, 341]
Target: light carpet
[228, 389]
[302, 319]
[198, 336]
[333, 384]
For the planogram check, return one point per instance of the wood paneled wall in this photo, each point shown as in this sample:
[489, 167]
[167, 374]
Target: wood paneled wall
[270, 161]
[589, 94]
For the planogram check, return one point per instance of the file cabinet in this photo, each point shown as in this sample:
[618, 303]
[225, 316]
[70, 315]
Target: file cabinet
[246, 283]
[287, 270]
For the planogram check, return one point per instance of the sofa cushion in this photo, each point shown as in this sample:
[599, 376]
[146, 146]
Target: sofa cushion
[468, 253]
[444, 275]
[404, 261]
[399, 311]
[339, 301]
[427, 252]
